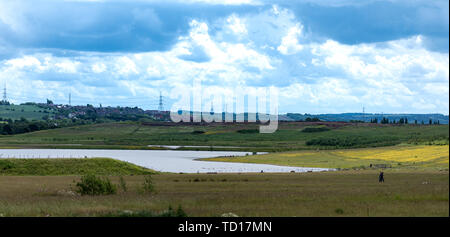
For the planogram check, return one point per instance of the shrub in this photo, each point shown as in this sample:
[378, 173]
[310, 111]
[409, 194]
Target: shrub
[6, 165]
[316, 129]
[93, 185]
[246, 131]
[312, 119]
[148, 185]
[122, 184]
[357, 141]
[145, 213]
[180, 212]
[339, 211]
[198, 132]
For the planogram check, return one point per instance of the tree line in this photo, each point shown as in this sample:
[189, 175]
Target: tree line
[401, 121]
[11, 127]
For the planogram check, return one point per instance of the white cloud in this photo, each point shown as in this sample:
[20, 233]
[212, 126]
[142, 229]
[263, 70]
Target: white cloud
[153, 71]
[236, 25]
[24, 62]
[395, 74]
[67, 66]
[396, 60]
[124, 66]
[289, 43]
[250, 49]
[98, 67]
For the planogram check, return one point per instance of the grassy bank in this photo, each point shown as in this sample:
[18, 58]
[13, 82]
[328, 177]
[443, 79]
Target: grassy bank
[30, 112]
[289, 136]
[344, 193]
[67, 166]
[397, 157]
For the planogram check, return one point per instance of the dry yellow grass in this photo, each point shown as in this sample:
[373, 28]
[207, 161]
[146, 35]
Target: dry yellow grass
[400, 154]
[436, 157]
[353, 193]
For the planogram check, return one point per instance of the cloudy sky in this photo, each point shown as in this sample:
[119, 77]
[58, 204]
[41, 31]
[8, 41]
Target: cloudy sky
[323, 56]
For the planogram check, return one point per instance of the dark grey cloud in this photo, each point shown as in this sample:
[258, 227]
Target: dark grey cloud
[377, 21]
[106, 27]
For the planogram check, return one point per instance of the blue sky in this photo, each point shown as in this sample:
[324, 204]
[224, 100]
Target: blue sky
[323, 56]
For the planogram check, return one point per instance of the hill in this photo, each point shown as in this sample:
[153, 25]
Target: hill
[237, 136]
[43, 167]
[367, 117]
[27, 111]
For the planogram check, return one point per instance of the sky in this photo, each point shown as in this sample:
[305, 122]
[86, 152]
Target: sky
[322, 56]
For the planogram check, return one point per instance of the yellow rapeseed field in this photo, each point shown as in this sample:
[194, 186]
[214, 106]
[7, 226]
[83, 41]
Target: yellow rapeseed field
[403, 156]
[400, 154]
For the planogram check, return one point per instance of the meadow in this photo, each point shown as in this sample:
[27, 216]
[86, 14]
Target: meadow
[414, 159]
[395, 157]
[344, 193]
[69, 166]
[29, 112]
[289, 136]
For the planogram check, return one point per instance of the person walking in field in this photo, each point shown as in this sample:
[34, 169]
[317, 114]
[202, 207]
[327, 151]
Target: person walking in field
[381, 177]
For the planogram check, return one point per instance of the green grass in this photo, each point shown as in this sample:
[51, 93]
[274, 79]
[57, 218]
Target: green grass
[29, 112]
[353, 193]
[69, 166]
[289, 136]
[397, 157]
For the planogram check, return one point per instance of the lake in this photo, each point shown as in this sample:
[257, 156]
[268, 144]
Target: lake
[160, 160]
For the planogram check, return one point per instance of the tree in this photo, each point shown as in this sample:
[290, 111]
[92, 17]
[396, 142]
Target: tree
[7, 129]
[33, 127]
[49, 102]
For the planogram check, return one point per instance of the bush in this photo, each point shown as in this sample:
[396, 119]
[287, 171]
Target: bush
[312, 119]
[246, 131]
[145, 213]
[93, 185]
[357, 141]
[122, 184]
[148, 186]
[198, 132]
[316, 129]
[339, 211]
[6, 165]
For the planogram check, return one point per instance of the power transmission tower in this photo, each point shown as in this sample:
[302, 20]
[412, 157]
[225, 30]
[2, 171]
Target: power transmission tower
[4, 94]
[161, 105]
[70, 99]
[364, 115]
[212, 108]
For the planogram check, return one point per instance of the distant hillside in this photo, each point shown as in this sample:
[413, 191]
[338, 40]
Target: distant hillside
[366, 117]
[27, 111]
[33, 111]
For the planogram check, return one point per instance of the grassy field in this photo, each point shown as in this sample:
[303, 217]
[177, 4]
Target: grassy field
[29, 112]
[416, 185]
[67, 166]
[289, 136]
[344, 193]
[397, 157]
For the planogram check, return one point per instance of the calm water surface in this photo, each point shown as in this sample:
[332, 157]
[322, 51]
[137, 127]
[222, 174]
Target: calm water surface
[160, 160]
